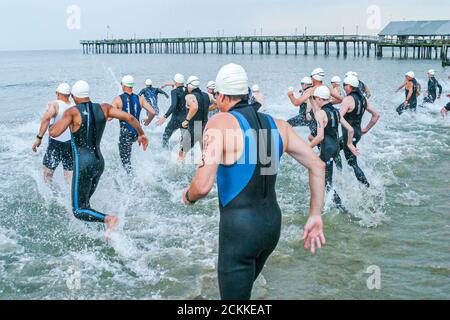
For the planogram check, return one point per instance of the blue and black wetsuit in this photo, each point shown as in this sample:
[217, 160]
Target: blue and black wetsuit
[330, 148]
[151, 95]
[194, 132]
[433, 86]
[250, 218]
[412, 102]
[354, 118]
[128, 135]
[178, 112]
[88, 161]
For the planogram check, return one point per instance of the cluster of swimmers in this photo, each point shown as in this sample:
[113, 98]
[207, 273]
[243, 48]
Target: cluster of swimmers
[241, 145]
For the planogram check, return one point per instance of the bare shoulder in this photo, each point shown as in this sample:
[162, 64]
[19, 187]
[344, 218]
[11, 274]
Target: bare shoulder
[221, 120]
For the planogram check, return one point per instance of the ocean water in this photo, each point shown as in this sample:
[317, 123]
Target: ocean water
[164, 250]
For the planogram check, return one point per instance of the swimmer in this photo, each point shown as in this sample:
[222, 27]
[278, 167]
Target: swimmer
[151, 93]
[433, 85]
[412, 91]
[132, 104]
[210, 90]
[87, 122]
[243, 148]
[300, 119]
[59, 149]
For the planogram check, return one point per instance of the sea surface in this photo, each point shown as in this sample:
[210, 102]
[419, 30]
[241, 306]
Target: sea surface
[164, 250]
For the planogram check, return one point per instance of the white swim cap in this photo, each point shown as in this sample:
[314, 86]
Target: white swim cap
[410, 74]
[211, 85]
[336, 79]
[148, 82]
[178, 78]
[128, 81]
[318, 74]
[323, 92]
[351, 73]
[64, 89]
[352, 81]
[255, 88]
[193, 82]
[232, 80]
[306, 80]
[81, 89]
[432, 72]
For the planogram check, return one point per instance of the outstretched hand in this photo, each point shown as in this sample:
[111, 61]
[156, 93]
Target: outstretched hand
[313, 235]
[143, 141]
[36, 145]
[354, 150]
[161, 121]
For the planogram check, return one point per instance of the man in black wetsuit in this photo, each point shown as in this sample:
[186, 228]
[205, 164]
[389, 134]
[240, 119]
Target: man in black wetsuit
[300, 119]
[445, 110]
[177, 110]
[412, 91]
[433, 86]
[328, 120]
[352, 110]
[243, 148]
[87, 122]
[133, 104]
[197, 102]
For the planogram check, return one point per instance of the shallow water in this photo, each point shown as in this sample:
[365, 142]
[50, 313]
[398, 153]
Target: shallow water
[164, 250]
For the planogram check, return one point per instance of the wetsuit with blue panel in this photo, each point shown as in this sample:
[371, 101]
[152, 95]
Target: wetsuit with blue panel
[151, 95]
[128, 135]
[354, 118]
[88, 161]
[250, 217]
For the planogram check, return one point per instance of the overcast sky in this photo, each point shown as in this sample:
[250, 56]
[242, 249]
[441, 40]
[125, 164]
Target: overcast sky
[42, 24]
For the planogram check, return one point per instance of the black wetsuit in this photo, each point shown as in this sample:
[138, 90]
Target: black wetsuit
[433, 86]
[447, 107]
[412, 102]
[330, 147]
[194, 132]
[300, 120]
[250, 218]
[178, 112]
[88, 161]
[354, 118]
[128, 135]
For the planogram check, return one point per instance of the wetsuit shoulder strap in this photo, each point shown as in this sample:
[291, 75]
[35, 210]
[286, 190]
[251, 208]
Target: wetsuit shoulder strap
[276, 137]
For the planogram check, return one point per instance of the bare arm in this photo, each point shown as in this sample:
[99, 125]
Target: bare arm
[62, 125]
[367, 91]
[337, 98]
[205, 176]
[49, 114]
[192, 104]
[402, 86]
[149, 108]
[299, 101]
[373, 121]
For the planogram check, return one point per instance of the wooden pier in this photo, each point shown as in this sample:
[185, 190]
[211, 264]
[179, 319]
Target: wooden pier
[342, 45]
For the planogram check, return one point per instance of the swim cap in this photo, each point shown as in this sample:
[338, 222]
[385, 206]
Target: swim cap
[352, 81]
[81, 89]
[318, 74]
[128, 81]
[211, 85]
[64, 89]
[410, 74]
[148, 82]
[232, 80]
[306, 80]
[178, 78]
[255, 88]
[322, 92]
[432, 72]
[351, 73]
[336, 79]
[193, 82]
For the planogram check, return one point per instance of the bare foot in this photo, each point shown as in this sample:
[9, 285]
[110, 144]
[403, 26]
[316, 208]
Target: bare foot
[111, 222]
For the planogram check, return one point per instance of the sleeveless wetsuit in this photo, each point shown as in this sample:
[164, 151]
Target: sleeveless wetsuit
[300, 120]
[59, 149]
[329, 148]
[354, 118]
[250, 218]
[412, 103]
[178, 112]
[88, 161]
[128, 135]
[197, 125]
